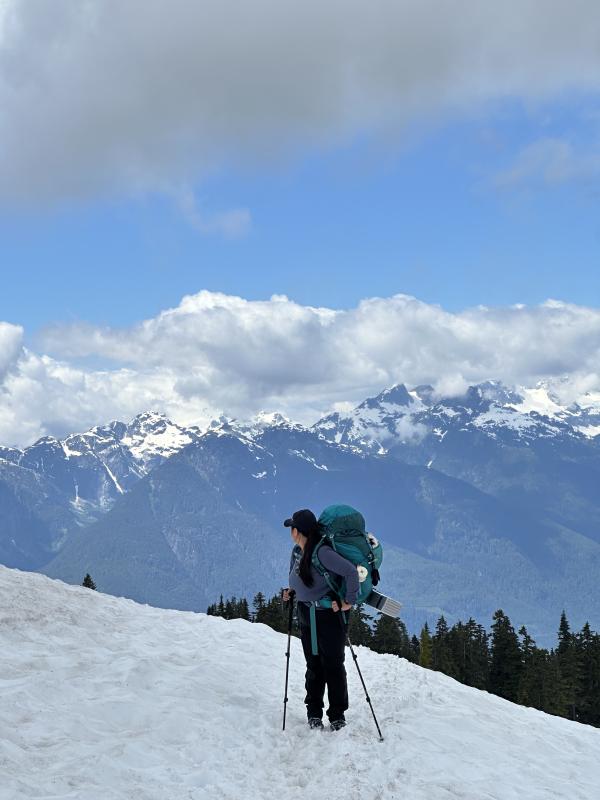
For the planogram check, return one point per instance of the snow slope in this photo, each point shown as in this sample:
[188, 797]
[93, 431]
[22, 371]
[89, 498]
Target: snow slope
[108, 700]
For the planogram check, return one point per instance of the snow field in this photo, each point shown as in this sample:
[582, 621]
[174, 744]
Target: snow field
[105, 699]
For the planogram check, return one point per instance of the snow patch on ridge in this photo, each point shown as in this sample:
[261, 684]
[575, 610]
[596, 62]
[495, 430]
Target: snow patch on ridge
[305, 457]
[539, 400]
[152, 434]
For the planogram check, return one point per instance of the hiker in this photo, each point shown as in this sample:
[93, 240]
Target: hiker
[328, 636]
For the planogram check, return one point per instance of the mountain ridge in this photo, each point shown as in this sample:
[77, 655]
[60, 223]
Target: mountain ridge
[502, 514]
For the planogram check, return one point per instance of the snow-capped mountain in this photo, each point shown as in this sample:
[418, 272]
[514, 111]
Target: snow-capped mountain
[399, 416]
[93, 468]
[252, 429]
[105, 698]
[209, 520]
[379, 421]
[483, 501]
[54, 486]
[521, 446]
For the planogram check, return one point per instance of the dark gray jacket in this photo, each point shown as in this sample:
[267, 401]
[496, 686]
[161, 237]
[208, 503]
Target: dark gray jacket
[334, 563]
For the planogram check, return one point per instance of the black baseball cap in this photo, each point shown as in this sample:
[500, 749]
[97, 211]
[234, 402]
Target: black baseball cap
[304, 520]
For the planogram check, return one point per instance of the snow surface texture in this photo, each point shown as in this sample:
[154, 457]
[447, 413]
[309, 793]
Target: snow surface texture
[105, 699]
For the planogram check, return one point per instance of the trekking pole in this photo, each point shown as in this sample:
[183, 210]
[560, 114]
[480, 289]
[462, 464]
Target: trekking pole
[355, 657]
[287, 653]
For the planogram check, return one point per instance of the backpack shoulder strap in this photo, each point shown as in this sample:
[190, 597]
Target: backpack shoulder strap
[321, 569]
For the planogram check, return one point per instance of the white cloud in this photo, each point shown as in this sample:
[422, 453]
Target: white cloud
[214, 353]
[42, 396]
[105, 95]
[233, 223]
[549, 162]
[11, 338]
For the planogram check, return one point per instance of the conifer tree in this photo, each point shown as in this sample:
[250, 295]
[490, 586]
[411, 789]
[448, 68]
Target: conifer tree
[468, 646]
[477, 657]
[242, 611]
[230, 606]
[569, 667]
[526, 693]
[415, 649]
[555, 703]
[425, 656]
[546, 680]
[359, 631]
[274, 614]
[88, 582]
[441, 656]
[217, 609]
[220, 611]
[536, 677]
[505, 666]
[258, 604]
[457, 646]
[588, 644]
[390, 636]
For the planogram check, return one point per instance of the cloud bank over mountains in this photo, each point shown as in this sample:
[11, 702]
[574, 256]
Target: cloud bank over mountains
[216, 353]
[136, 97]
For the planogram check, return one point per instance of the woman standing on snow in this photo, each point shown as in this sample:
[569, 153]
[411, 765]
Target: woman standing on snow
[326, 667]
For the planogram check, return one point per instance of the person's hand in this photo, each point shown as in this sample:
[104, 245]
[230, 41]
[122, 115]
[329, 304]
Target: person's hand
[345, 606]
[285, 595]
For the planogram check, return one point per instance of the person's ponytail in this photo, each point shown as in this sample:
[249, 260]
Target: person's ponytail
[313, 538]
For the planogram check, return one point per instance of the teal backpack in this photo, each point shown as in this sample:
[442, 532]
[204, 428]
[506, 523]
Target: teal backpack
[343, 529]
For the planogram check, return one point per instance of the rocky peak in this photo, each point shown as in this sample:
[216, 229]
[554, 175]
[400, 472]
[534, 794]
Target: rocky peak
[425, 393]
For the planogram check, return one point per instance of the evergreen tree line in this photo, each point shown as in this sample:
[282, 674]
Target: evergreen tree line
[564, 681]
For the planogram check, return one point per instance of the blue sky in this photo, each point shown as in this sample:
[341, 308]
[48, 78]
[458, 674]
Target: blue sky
[418, 213]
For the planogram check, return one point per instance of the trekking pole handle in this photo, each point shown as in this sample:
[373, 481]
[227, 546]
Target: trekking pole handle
[290, 595]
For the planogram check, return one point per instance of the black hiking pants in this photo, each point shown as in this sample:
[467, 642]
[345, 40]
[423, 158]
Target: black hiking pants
[327, 668]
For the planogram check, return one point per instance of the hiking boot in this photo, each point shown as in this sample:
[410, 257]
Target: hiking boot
[315, 722]
[336, 724]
